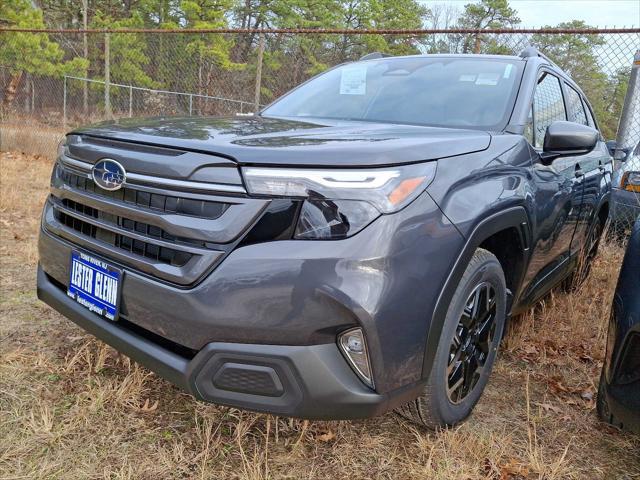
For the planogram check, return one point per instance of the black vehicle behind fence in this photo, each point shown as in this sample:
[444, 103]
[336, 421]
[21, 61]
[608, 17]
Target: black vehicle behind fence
[619, 393]
[355, 247]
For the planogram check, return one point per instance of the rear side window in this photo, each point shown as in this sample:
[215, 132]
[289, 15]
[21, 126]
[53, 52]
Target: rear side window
[576, 111]
[590, 119]
[548, 107]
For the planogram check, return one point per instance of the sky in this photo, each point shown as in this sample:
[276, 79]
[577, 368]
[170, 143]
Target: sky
[598, 13]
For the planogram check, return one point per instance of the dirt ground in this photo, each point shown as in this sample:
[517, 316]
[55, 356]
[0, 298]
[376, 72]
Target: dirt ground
[71, 407]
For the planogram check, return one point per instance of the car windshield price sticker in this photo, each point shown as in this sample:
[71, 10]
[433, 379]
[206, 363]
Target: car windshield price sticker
[353, 80]
[94, 284]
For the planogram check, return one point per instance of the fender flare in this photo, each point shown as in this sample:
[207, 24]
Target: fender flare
[514, 217]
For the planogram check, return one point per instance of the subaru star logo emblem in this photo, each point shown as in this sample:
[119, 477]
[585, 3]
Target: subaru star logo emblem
[109, 174]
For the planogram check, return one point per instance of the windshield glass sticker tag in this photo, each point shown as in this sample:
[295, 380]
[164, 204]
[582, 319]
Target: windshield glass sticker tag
[353, 80]
[467, 77]
[487, 79]
[507, 71]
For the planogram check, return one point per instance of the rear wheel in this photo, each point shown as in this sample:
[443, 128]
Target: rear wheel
[467, 347]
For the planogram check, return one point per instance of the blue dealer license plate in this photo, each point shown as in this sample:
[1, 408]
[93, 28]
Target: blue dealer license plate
[95, 284]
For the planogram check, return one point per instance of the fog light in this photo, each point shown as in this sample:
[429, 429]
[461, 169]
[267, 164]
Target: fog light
[354, 348]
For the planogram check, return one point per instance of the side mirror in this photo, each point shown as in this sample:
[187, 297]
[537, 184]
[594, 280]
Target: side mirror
[567, 138]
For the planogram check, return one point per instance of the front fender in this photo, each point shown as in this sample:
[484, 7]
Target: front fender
[512, 217]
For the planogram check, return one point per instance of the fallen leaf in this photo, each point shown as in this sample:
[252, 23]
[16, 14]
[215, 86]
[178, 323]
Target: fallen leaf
[513, 469]
[147, 407]
[549, 407]
[326, 436]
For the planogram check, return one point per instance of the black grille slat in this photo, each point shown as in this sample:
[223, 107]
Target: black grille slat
[166, 255]
[154, 201]
[169, 256]
[128, 224]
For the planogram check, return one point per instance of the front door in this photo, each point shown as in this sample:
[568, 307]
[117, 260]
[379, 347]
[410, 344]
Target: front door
[558, 193]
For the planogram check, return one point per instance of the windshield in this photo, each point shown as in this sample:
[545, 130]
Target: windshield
[437, 91]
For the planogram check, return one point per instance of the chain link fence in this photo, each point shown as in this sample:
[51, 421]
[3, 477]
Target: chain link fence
[626, 181]
[53, 80]
[96, 75]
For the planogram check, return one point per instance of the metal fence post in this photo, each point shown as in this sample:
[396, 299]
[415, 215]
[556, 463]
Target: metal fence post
[64, 103]
[629, 118]
[107, 76]
[190, 104]
[625, 205]
[256, 101]
[130, 101]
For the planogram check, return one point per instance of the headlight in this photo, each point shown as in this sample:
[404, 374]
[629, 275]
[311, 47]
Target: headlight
[341, 202]
[631, 181]
[61, 147]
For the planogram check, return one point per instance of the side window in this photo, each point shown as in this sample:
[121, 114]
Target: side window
[576, 111]
[590, 121]
[548, 106]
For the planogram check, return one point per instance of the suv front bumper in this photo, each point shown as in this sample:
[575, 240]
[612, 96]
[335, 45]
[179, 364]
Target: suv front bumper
[301, 292]
[300, 381]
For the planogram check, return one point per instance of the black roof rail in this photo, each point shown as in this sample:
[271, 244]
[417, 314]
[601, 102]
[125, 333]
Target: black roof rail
[530, 51]
[374, 55]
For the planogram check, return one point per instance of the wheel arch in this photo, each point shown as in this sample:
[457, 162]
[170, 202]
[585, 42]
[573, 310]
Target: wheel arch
[492, 231]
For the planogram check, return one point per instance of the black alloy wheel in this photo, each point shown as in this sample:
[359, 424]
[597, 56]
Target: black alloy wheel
[471, 343]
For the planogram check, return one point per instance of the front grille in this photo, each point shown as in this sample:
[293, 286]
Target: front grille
[170, 230]
[148, 250]
[128, 224]
[154, 201]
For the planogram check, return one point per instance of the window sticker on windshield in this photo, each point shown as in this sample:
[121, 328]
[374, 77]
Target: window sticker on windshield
[487, 79]
[467, 78]
[353, 80]
[507, 71]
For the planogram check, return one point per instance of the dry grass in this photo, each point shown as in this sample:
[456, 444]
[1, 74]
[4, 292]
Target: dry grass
[31, 137]
[71, 407]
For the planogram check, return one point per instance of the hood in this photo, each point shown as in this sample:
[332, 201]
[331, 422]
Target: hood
[275, 141]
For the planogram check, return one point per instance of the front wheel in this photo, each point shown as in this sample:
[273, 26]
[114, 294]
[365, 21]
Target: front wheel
[467, 347]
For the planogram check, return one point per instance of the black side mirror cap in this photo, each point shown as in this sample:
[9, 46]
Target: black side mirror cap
[568, 138]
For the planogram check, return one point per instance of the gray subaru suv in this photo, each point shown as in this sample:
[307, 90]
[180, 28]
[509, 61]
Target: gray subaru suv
[355, 247]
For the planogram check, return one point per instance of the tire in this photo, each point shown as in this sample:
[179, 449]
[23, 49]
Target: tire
[440, 404]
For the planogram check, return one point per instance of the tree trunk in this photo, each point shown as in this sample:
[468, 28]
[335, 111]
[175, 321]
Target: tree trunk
[107, 77]
[258, 86]
[11, 89]
[85, 52]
